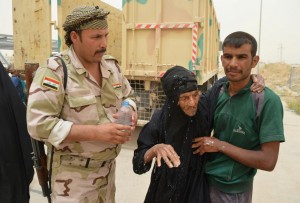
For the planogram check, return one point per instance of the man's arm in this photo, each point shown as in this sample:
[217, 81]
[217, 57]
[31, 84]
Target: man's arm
[109, 133]
[264, 159]
[44, 123]
[270, 135]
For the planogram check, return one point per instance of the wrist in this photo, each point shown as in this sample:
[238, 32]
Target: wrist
[148, 155]
[222, 146]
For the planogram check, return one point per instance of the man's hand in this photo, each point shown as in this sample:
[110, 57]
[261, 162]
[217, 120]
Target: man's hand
[114, 133]
[258, 83]
[165, 152]
[108, 132]
[134, 118]
[264, 158]
[207, 144]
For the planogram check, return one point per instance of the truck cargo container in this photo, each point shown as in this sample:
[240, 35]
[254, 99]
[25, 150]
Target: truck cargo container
[33, 24]
[159, 34]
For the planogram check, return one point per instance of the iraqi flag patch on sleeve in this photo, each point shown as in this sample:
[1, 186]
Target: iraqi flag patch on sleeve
[51, 83]
[117, 85]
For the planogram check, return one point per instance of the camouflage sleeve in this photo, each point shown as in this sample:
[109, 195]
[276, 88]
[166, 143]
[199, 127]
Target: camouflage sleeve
[127, 90]
[45, 104]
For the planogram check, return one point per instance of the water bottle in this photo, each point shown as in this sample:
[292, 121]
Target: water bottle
[125, 114]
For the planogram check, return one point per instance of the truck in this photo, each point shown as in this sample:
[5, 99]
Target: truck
[147, 37]
[34, 24]
[157, 35]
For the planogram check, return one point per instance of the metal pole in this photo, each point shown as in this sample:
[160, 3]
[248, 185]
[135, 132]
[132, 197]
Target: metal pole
[260, 16]
[281, 53]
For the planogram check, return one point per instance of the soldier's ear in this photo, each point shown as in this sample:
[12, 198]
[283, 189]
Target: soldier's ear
[75, 37]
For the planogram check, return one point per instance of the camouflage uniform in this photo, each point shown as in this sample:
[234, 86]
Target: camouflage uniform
[82, 171]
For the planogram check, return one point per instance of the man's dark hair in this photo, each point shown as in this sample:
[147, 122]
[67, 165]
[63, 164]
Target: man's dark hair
[237, 39]
[68, 37]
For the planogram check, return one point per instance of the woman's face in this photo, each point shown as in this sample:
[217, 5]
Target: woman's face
[188, 102]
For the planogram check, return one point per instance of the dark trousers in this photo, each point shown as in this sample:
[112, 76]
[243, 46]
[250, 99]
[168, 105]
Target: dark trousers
[218, 196]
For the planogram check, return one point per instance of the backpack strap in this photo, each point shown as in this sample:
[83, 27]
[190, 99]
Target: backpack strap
[65, 71]
[258, 100]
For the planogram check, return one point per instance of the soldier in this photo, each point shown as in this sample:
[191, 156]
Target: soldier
[78, 120]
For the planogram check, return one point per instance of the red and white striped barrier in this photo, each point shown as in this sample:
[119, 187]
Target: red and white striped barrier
[164, 26]
[194, 42]
[194, 26]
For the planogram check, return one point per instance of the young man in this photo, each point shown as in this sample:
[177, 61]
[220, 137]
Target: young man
[78, 121]
[248, 128]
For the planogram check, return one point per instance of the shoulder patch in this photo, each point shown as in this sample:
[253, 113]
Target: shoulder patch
[51, 83]
[117, 85]
[53, 63]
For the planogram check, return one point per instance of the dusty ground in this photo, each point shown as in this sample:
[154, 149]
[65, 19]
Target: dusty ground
[279, 75]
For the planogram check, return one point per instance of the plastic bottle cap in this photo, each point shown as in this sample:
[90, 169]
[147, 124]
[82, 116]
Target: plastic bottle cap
[125, 103]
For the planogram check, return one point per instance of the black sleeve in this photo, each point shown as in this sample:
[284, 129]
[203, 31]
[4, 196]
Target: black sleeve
[207, 105]
[148, 137]
[16, 168]
[221, 81]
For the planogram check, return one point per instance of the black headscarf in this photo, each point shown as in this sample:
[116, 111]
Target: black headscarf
[16, 166]
[176, 123]
[178, 80]
[171, 125]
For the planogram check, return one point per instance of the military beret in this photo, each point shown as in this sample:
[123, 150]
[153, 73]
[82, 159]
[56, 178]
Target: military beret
[86, 17]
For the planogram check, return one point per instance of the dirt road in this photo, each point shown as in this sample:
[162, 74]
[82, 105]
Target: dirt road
[280, 185]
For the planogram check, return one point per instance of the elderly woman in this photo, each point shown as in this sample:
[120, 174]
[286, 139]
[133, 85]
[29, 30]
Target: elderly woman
[177, 175]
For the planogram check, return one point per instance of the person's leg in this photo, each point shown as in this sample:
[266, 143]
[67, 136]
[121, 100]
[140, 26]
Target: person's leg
[245, 196]
[73, 182]
[107, 192]
[218, 196]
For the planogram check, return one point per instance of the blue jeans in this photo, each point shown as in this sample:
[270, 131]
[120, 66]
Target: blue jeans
[218, 196]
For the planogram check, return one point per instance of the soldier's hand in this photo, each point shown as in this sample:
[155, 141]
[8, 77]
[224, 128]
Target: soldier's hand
[114, 133]
[134, 120]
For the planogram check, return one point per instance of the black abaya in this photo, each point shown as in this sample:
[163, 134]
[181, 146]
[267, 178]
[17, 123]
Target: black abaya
[16, 166]
[170, 125]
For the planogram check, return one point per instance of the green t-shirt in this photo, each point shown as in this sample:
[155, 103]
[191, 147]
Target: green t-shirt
[235, 122]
